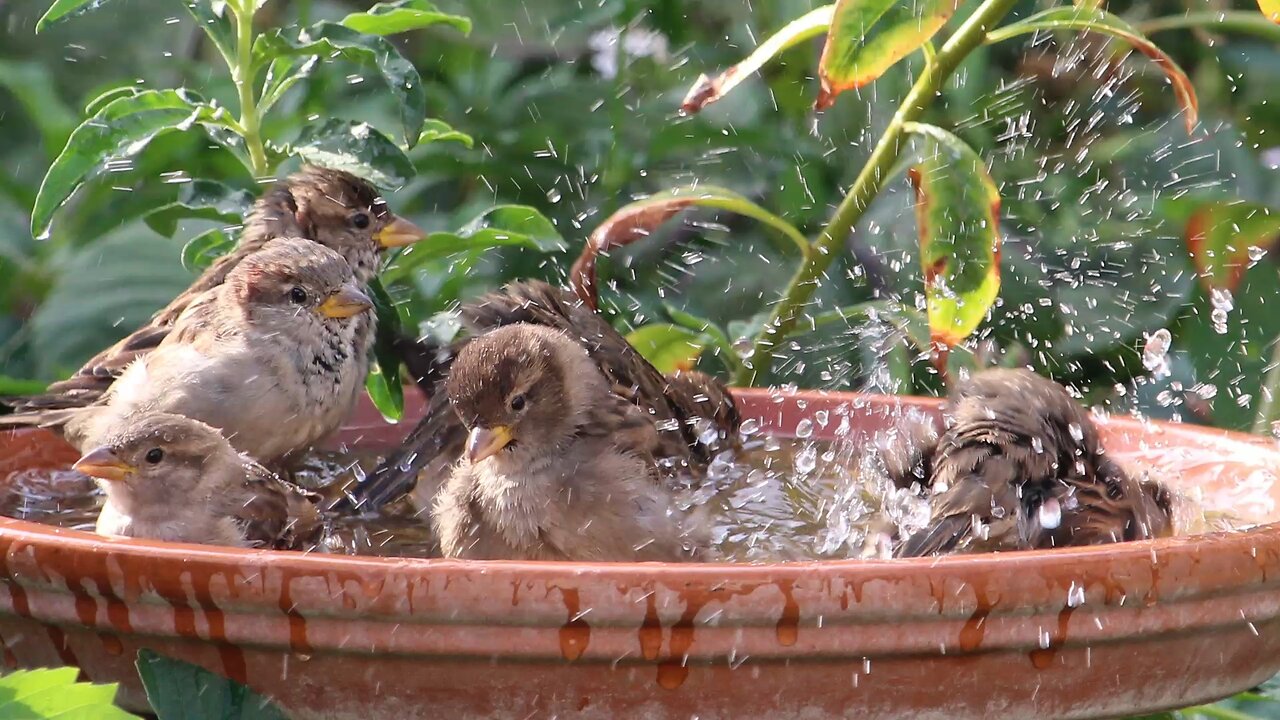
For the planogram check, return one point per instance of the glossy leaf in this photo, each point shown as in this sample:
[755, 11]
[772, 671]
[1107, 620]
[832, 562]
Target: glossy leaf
[868, 37]
[390, 18]
[668, 347]
[434, 130]
[214, 17]
[639, 219]
[1271, 9]
[1100, 21]
[1220, 236]
[358, 148]
[179, 690]
[203, 199]
[65, 9]
[383, 381]
[708, 90]
[957, 217]
[200, 252]
[53, 693]
[282, 74]
[327, 40]
[121, 129]
[500, 226]
[713, 333]
[93, 106]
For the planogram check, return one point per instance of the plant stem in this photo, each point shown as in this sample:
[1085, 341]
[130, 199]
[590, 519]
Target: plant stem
[1269, 393]
[868, 185]
[242, 73]
[1244, 22]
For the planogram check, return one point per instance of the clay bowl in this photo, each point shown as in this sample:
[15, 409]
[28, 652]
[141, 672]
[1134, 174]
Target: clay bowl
[1091, 632]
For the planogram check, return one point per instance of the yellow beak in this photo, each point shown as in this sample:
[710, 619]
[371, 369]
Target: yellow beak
[398, 233]
[105, 464]
[344, 303]
[485, 442]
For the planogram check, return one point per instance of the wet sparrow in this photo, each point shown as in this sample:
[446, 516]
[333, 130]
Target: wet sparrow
[274, 357]
[1019, 466]
[334, 208]
[557, 466]
[168, 477]
[694, 414]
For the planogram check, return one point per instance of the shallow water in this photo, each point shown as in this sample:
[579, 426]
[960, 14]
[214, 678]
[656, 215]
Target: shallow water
[780, 499]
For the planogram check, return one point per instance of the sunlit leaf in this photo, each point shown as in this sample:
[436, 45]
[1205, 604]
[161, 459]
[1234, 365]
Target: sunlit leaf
[708, 90]
[200, 252]
[868, 37]
[358, 148]
[957, 216]
[328, 40]
[383, 381]
[434, 130]
[203, 199]
[65, 9]
[53, 693]
[668, 347]
[121, 129]
[1083, 18]
[713, 333]
[179, 690]
[1270, 8]
[1220, 236]
[93, 106]
[214, 17]
[639, 219]
[500, 226]
[390, 18]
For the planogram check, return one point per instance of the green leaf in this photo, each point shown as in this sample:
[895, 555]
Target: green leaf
[203, 199]
[714, 334]
[358, 148]
[957, 216]
[707, 90]
[668, 347]
[383, 382]
[179, 690]
[121, 129]
[11, 386]
[282, 74]
[1221, 234]
[434, 130]
[54, 693]
[33, 85]
[868, 37]
[326, 40]
[201, 250]
[65, 9]
[214, 17]
[101, 101]
[396, 17]
[500, 226]
[1100, 21]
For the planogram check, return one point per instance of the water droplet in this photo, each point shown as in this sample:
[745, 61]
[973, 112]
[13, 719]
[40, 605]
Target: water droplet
[806, 459]
[1155, 352]
[804, 428]
[1050, 514]
[749, 427]
[822, 417]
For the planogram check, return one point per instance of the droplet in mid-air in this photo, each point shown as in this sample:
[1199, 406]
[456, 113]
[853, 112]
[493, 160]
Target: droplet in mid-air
[1155, 352]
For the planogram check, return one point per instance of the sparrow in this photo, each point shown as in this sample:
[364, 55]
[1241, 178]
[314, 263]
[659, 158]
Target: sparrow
[274, 357]
[1019, 465]
[694, 415]
[332, 207]
[168, 477]
[556, 466]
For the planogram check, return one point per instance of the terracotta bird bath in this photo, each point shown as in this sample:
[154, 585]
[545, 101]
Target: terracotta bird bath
[1094, 632]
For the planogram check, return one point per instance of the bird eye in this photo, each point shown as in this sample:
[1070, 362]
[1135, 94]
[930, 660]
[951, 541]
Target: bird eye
[517, 403]
[360, 220]
[298, 295]
[154, 455]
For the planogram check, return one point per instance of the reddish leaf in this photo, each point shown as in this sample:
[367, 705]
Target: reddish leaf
[1220, 236]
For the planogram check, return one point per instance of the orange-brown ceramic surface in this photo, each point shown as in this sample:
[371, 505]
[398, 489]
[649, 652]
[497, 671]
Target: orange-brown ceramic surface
[1091, 632]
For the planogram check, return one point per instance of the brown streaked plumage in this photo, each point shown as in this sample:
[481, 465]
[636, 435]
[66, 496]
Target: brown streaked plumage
[1020, 466]
[332, 207]
[274, 357]
[557, 466]
[168, 477]
[682, 407]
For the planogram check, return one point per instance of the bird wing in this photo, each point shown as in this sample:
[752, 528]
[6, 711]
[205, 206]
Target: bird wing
[274, 513]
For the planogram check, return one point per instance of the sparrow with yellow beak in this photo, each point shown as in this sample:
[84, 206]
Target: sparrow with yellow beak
[334, 208]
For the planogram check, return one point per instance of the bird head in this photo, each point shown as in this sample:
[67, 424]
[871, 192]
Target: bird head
[297, 283]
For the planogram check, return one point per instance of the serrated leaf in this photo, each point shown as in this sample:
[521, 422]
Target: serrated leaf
[957, 216]
[390, 18]
[54, 694]
[641, 218]
[214, 17]
[668, 347]
[434, 130]
[201, 250]
[179, 690]
[1100, 21]
[868, 37]
[327, 40]
[358, 148]
[1271, 9]
[121, 129]
[707, 90]
[66, 9]
[500, 226]
[1220, 236]
[383, 381]
[203, 199]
